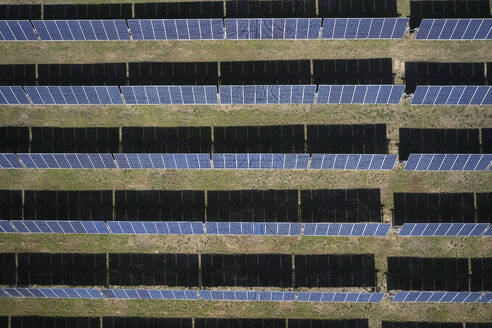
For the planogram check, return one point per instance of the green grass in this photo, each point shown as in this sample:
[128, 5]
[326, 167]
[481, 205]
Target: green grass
[203, 309]
[407, 49]
[382, 247]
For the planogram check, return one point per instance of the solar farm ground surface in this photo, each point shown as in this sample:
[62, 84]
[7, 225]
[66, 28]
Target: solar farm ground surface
[397, 180]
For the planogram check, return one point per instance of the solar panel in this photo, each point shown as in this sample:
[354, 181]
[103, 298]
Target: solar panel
[17, 30]
[5, 226]
[448, 162]
[339, 297]
[346, 229]
[348, 162]
[269, 29]
[455, 29]
[176, 95]
[81, 30]
[267, 94]
[436, 297]
[452, 95]
[364, 28]
[486, 298]
[176, 29]
[13, 95]
[74, 95]
[442, 229]
[359, 94]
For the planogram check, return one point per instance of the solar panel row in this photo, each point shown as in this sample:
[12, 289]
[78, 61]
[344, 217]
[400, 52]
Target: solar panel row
[455, 29]
[198, 161]
[81, 30]
[196, 228]
[230, 295]
[201, 94]
[176, 95]
[176, 29]
[267, 94]
[261, 161]
[14, 95]
[163, 161]
[352, 162]
[452, 95]
[364, 28]
[346, 229]
[17, 30]
[204, 29]
[74, 95]
[340, 297]
[204, 295]
[156, 227]
[67, 161]
[360, 94]
[448, 162]
[48, 226]
[437, 297]
[443, 229]
[272, 29]
[256, 228]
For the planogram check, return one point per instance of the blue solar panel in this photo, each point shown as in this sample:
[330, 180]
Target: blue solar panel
[176, 29]
[452, 95]
[364, 28]
[437, 297]
[447, 162]
[13, 95]
[361, 94]
[455, 29]
[442, 229]
[267, 29]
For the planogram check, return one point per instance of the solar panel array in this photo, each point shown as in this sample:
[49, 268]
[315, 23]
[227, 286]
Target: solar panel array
[254, 228]
[486, 298]
[206, 29]
[448, 162]
[48, 226]
[437, 297]
[17, 30]
[176, 95]
[198, 161]
[176, 29]
[74, 95]
[245, 295]
[230, 295]
[452, 95]
[347, 229]
[163, 161]
[272, 29]
[14, 95]
[191, 295]
[364, 28]
[443, 229]
[340, 297]
[67, 161]
[201, 94]
[360, 94]
[81, 30]
[267, 94]
[455, 29]
[352, 162]
[261, 161]
[195, 228]
[158, 227]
